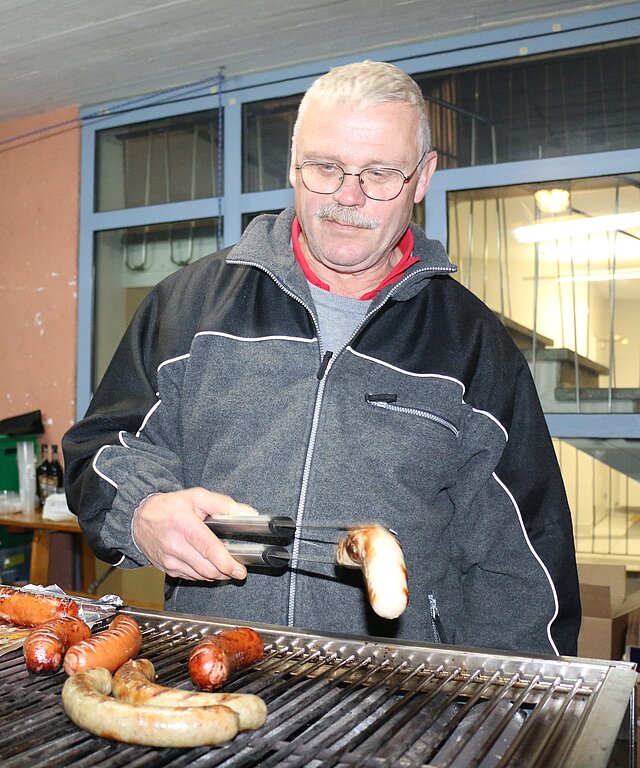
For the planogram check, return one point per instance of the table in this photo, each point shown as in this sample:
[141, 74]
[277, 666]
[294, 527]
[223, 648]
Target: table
[41, 544]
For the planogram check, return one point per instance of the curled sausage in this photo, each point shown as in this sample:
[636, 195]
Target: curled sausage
[47, 644]
[214, 659]
[377, 552]
[109, 649]
[30, 609]
[135, 683]
[86, 701]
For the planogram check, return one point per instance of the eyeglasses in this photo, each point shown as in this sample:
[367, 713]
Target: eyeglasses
[376, 183]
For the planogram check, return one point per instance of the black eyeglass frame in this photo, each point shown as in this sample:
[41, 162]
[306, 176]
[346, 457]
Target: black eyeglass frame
[406, 179]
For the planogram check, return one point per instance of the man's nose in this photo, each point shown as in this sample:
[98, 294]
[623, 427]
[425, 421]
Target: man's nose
[350, 191]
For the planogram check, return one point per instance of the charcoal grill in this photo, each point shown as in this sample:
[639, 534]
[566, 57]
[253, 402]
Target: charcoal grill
[337, 702]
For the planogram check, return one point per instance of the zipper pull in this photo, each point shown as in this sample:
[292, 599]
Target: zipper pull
[436, 623]
[324, 365]
[381, 398]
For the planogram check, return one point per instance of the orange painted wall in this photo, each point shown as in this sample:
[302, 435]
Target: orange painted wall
[39, 223]
[39, 233]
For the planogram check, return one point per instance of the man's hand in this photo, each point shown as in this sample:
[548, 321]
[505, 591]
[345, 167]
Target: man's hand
[168, 529]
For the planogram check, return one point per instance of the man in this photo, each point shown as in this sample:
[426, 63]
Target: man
[328, 367]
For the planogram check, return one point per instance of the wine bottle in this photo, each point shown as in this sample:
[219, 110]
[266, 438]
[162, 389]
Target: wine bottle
[55, 473]
[42, 474]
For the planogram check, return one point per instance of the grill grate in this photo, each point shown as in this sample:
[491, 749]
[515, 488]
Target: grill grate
[345, 703]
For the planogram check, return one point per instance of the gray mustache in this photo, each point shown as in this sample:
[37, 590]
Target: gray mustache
[348, 216]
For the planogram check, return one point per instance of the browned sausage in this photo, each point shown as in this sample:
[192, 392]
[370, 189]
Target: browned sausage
[86, 701]
[46, 645]
[378, 553]
[135, 683]
[216, 658]
[29, 609]
[109, 649]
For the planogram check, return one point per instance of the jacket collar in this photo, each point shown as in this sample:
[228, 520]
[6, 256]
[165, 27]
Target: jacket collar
[266, 243]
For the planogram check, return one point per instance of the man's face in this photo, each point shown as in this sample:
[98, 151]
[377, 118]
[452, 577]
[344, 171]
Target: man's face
[357, 137]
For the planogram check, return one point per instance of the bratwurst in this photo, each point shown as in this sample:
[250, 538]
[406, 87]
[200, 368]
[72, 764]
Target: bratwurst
[377, 552]
[109, 649]
[215, 658]
[86, 701]
[46, 645]
[135, 683]
[29, 609]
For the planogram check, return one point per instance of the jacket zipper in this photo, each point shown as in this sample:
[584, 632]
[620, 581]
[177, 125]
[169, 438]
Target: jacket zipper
[436, 623]
[383, 403]
[325, 364]
[295, 549]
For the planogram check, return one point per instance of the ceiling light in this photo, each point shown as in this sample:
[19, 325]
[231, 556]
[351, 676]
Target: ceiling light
[536, 233]
[552, 200]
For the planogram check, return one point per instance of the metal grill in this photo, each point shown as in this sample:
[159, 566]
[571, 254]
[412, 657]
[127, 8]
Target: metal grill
[345, 702]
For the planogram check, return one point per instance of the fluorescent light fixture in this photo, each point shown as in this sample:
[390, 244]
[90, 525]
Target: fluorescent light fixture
[598, 251]
[600, 276]
[555, 230]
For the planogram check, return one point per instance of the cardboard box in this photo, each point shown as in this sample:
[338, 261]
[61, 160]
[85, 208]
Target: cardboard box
[605, 610]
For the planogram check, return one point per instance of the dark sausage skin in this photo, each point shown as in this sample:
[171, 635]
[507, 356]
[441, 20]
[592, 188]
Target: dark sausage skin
[109, 649]
[30, 609]
[214, 659]
[46, 645]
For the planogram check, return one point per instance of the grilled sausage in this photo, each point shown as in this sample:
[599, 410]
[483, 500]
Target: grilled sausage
[134, 683]
[109, 649]
[46, 645]
[86, 701]
[377, 552]
[216, 658]
[29, 609]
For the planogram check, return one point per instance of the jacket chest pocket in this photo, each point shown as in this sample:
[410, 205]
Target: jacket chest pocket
[389, 403]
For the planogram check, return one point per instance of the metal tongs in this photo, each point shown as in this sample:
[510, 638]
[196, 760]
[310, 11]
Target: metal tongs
[270, 526]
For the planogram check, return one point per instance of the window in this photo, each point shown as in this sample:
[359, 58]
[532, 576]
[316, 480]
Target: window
[267, 128]
[566, 283]
[161, 161]
[128, 263]
[603, 486]
[570, 103]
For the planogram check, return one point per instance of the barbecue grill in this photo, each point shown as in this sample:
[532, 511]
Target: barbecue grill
[338, 702]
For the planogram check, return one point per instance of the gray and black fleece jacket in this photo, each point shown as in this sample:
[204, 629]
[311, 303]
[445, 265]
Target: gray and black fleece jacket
[427, 421]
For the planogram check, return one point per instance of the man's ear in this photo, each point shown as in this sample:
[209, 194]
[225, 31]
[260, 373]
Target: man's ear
[292, 166]
[425, 177]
